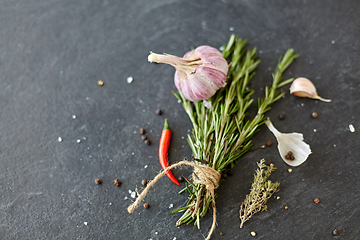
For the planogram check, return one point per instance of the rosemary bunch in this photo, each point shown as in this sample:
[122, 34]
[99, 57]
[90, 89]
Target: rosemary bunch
[221, 134]
[261, 190]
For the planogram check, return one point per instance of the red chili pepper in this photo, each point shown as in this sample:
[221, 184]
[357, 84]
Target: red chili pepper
[163, 151]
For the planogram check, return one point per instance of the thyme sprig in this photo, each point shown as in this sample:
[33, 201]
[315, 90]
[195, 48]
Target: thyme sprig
[221, 134]
[261, 190]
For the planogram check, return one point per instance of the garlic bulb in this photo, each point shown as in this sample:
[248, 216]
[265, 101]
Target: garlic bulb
[303, 87]
[199, 74]
[290, 144]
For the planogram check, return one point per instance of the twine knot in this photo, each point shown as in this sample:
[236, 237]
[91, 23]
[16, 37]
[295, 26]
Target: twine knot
[206, 176]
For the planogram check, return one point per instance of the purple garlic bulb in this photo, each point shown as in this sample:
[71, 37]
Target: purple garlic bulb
[199, 74]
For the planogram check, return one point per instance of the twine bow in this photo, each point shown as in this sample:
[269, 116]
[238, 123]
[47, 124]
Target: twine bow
[202, 174]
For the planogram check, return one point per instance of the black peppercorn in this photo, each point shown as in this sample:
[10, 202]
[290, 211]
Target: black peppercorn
[147, 141]
[314, 114]
[158, 112]
[117, 182]
[97, 181]
[229, 172]
[269, 143]
[181, 179]
[143, 137]
[144, 182]
[335, 232]
[146, 205]
[142, 131]
[282, 116]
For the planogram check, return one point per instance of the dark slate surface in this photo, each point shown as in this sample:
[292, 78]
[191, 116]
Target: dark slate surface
[52, 53]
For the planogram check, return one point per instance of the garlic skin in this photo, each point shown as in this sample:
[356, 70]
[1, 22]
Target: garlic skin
[303, 87]
[290, 142]
[199, 74]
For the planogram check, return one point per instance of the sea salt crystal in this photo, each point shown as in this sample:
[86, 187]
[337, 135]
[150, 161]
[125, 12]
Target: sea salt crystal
[231, 28]
[171, 205]
[315, 130]
[130, 191]
[74, 116]
[125, 198]
[78, 141]
[85, 223]
[351, 128]
[129, 79]
[156, 233]
[333, 41]
[146, 166]
[59, 139]
[133, 195]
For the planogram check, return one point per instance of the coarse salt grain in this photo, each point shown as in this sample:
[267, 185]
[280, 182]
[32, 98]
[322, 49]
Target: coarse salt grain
[351, 128]
[231, 28]
[171, 205]
[133, 195]
[85, 223]
[78, 141]
[74, 116]
[129, 79]
[146, 166]
[59, 139]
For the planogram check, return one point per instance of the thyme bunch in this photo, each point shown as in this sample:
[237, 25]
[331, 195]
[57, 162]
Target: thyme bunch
[261, 190]
[221, 133]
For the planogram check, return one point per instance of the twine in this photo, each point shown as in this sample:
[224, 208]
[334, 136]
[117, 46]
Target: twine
[202, 174]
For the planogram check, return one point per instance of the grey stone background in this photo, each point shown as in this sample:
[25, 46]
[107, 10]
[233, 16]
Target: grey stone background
[52, 53]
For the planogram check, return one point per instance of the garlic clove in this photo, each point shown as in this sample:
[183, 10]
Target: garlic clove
[291, 142]
[303, 87]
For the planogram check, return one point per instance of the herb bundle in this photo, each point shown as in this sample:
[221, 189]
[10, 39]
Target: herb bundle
[261, 190]
[221, 134]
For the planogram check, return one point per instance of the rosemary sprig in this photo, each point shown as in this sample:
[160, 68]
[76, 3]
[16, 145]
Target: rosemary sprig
[221, 134]
[261, 190]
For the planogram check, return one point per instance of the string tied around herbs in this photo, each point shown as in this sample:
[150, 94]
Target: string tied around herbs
[202, 174]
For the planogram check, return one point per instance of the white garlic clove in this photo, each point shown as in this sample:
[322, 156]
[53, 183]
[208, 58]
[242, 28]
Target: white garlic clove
[303, 87]
[290, 142]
